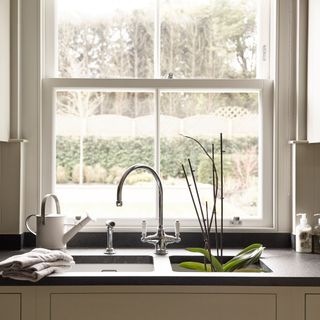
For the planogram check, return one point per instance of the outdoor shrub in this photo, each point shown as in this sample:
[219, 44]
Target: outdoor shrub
[106, 159]
[139, 176]
[114, 175]
[89, 174]
[76, 174]
[68, 152]
[100, 173]
[62, 175]
[205, 171]
[94, 174]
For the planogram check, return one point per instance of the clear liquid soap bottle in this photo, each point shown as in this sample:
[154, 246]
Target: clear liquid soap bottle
[303, 234]
[316, 235]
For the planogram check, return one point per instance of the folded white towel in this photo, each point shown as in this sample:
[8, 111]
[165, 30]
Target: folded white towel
[38, 271]
[36, 264]
[34, 257]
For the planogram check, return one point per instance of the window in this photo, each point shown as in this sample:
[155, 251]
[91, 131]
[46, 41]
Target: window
[125, 80]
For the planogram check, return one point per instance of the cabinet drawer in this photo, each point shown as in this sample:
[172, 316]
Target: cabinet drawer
[10, 306]
[169, 306]
[312, 306]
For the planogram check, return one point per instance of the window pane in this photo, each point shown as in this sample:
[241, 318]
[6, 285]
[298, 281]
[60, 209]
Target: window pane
[203, 115]
[105, 39]
[209, 38]
[98, 136]
[198, 39]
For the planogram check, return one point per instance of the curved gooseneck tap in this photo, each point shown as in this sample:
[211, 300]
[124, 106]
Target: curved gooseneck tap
[159, 185]
[159, 239]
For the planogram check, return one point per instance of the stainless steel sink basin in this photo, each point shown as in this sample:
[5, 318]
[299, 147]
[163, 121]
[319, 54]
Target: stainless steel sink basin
[112, 264]
[175, 260]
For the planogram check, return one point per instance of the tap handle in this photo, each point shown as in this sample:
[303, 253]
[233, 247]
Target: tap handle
[144, 228]
[177, 228]
[110, 224]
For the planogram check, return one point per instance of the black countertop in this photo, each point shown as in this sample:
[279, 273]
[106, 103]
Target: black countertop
[288, 269]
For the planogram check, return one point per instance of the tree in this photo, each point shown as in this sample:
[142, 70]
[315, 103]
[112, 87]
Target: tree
[81, 104]
[215, 40]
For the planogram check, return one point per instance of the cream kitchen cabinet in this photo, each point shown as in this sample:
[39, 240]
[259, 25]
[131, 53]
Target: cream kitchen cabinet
[159, 306]
[10, 306]
[312, 306]
[161, 302]
[17, 303]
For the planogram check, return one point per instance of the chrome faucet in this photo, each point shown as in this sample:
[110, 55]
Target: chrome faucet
[160, 239]
[110, 225]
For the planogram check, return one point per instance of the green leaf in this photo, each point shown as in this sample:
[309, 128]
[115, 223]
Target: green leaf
[250, 256]
[195, 266]
[217, 266]
[199, 250]
[249, 248]
[243, 262]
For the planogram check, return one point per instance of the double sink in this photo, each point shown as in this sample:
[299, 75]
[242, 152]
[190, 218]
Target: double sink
[112, 263]
[133, 263]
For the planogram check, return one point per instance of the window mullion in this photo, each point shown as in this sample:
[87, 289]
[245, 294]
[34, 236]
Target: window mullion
[232, 85]
[157, 29]
[157, 140]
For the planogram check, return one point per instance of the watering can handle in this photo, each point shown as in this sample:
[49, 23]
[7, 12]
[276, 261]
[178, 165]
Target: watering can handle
[27, 223]
[43, 206]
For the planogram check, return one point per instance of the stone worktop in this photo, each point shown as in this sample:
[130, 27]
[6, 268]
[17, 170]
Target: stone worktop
[288, 269]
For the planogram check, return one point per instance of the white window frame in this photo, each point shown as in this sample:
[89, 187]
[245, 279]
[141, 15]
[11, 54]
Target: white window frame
[26, 114]
[263, 87]
[31, 98]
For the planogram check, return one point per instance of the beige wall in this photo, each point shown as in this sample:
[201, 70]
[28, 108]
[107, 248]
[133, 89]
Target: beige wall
[305, 181]
[11, 152]
[4, 69]
[11, 183]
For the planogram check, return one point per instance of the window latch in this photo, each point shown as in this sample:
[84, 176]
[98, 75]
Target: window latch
[170, 75]
[236, 221]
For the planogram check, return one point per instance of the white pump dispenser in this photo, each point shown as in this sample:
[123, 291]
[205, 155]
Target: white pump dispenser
[303, 234]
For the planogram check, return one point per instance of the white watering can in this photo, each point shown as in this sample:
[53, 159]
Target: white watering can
[50, 228]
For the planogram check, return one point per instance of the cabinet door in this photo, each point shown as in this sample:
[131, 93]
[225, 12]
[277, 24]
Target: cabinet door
[169, 306]
[312, 306]
[10, 306]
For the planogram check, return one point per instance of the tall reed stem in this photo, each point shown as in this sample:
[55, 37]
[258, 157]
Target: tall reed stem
[207, 219]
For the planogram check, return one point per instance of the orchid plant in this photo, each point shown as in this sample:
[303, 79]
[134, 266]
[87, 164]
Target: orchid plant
[246, 260]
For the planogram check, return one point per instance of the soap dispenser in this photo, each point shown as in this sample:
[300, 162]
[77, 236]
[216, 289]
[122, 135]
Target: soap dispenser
[303, 234]
[316, 235]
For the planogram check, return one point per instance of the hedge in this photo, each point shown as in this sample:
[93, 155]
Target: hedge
[107, 158]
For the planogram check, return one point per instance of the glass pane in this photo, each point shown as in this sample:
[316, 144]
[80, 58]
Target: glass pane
[203, 116]
[198, 39]
[98, 136]
[105, 39]
[209, 38]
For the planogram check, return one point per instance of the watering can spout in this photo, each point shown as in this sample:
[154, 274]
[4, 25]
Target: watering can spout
[75, 229]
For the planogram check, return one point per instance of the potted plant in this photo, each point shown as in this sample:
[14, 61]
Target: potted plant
[246, 260]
